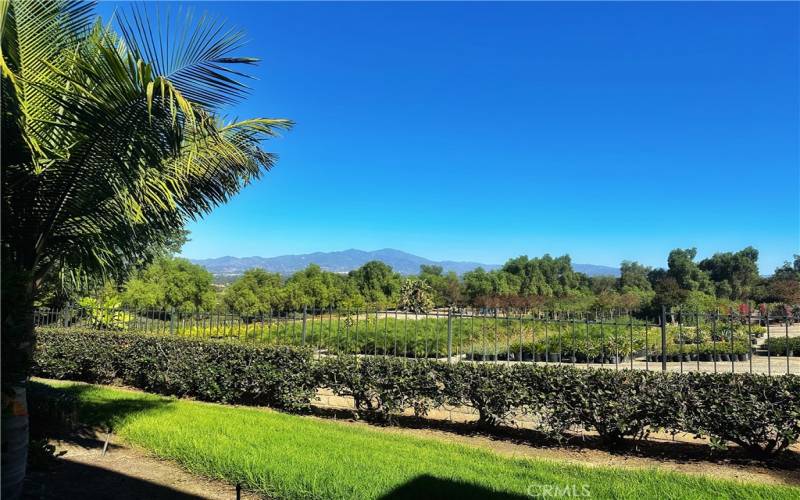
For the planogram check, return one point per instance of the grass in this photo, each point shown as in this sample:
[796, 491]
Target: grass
[289, 456]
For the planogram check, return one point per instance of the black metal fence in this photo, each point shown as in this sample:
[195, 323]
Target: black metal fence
[679, 341]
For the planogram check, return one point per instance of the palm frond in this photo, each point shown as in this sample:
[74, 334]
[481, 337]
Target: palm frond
[115, 143]
[195, 55]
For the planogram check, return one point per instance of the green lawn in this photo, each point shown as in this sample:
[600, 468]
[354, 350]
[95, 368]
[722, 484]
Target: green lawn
[289, 456]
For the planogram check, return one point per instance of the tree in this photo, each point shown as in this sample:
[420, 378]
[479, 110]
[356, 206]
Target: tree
[633, 276]
[789, 270]
[669, 293]
[600, 284]
[318, 288]
[111, 142]
[171, 283]
[686, 273]
[255, 292]
[783, 286]
[446, 288]
[734, 274]
[415, 296]
[376, 282]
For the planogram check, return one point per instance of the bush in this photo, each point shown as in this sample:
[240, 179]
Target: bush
[493, 390]
[615, 404]
[757, 412]
[210, 371]
[381, 388]
[781, 346]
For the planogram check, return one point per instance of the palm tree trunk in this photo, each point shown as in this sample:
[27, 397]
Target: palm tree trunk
[17, 345]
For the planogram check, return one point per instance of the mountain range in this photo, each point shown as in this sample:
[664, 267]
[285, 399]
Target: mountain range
[347, 260]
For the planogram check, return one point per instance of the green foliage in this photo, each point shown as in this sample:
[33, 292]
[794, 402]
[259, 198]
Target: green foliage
[781, 346]
[104, 314]
[616, 404]
[376, 283]
[633, 276]
[492, 390]
[757, 412]
[382, 387]
[447, 289]
[687, 274]
[415, 296]
[734, 274]
[760, 413]
[211, 371]
[170, 283]
[254, 293]
[111, 142]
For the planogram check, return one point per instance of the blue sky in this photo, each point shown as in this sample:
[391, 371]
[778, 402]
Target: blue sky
[484, 131]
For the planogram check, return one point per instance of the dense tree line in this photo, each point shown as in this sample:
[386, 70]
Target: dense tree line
[723, 280]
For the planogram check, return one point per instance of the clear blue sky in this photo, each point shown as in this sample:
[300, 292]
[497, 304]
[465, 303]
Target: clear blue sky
[484, 131]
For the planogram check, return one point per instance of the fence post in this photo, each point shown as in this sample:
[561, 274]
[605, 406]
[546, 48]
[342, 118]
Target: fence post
[67, 314]
[449, 334]
[303, 341]
[172, 321]
[663, 338]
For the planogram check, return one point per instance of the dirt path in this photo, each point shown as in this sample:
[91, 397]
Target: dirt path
[123, 473]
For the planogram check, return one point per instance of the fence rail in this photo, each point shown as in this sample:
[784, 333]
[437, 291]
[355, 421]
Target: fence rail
[680, 341]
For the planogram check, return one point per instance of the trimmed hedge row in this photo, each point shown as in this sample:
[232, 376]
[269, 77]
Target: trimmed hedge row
[223, 372]
[757, 412]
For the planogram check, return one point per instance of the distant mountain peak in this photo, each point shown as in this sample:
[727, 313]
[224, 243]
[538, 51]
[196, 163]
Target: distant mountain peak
[346, 260]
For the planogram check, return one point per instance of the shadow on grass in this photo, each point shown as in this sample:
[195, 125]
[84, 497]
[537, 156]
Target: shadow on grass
[433, 487]
[68, 479]
[55, 410]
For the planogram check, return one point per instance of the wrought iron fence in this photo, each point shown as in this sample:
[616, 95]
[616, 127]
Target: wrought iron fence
[679, 341]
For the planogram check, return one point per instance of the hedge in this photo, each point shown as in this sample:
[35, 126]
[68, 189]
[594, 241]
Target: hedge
[757, 412]
[223, 372]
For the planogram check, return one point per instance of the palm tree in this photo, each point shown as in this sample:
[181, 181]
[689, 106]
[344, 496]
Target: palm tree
[111, 141]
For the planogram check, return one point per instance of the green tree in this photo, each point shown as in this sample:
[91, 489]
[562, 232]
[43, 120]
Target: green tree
[254, 293]
[789, 270]
[171, 283]
[110, 143]
[545, 276]
[600, 284]
[477, 283]
[734, 274]
[415, 296]
[633, 276]
[686, 273]
[318, 288]
[669, 293]
[446, 287]
[376, 282]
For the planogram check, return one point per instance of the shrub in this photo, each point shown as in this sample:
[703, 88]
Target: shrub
[758, 412]
[494, 391]
[616, 404]
[383, 387]
[781, 346]
[210, 371]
